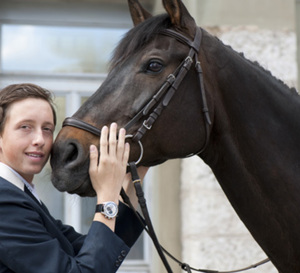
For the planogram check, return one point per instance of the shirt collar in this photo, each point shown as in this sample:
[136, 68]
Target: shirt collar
[16, 179]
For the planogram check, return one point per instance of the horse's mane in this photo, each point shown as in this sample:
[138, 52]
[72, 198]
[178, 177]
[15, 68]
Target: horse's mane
[145, 32]
[269, 73]
[260, 67]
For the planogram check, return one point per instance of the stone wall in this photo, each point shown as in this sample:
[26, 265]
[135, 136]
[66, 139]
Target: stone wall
[213, 237]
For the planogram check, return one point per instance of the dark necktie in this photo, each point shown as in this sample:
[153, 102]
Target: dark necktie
[33, 197]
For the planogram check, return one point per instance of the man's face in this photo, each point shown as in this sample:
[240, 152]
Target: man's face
[27, 138]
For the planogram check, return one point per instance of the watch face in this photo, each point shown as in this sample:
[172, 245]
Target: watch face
[110, 209]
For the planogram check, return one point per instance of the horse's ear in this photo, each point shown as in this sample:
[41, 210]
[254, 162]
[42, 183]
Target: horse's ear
[138, 13]
[180, 17]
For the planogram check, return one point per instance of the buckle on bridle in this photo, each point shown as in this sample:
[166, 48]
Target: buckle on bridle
[171, 78]
[187, 62]
[148, 127]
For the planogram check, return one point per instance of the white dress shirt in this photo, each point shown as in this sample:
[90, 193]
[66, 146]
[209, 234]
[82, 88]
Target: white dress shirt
[13, 177]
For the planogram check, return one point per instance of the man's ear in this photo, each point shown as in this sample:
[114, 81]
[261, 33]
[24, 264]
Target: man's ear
[138, 13]
[180, 17]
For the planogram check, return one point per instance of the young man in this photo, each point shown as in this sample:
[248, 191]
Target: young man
[30, 239]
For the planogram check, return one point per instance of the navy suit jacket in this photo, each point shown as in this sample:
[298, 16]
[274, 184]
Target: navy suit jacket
[32, 241]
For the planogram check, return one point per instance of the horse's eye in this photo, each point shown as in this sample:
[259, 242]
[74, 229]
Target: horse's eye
[154, 67]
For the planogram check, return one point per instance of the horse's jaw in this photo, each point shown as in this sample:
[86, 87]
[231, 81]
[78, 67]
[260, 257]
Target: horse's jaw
[79, 183]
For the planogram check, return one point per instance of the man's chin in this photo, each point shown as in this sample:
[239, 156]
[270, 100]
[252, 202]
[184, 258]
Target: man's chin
[31, 172]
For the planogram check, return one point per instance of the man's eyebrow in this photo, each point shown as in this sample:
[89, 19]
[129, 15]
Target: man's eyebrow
[33, 121]
[25, 120]
[49, 124]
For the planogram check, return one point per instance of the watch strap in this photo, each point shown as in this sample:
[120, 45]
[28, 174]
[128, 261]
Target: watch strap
[99, 208]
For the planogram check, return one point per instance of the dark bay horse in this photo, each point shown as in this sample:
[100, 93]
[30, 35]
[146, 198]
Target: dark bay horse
[250, 139]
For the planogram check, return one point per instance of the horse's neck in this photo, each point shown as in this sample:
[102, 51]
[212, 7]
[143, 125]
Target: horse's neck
[254, 112]
[254, 152]
[256, 124]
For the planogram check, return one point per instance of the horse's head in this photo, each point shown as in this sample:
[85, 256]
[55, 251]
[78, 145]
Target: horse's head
[139, 88]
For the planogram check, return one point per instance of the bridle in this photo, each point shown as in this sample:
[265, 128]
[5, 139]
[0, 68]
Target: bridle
[157, 104]
[163, 96]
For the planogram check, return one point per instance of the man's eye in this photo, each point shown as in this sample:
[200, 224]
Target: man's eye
[25, 127]
[48, 129]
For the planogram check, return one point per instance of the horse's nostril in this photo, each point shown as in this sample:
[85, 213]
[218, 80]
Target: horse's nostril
[71, 153]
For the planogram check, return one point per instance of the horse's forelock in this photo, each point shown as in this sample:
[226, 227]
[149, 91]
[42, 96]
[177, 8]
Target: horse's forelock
[138, 37]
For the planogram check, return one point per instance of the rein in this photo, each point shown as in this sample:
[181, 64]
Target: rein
[148, 227]
[161, 100]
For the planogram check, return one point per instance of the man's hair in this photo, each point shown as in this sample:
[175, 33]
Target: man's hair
[18, 92]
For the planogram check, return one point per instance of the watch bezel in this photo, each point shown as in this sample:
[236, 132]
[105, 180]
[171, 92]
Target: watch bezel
[108, 209]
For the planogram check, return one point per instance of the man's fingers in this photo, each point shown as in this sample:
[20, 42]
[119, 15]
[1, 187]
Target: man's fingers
[113, 139]
[121, 143]
[126, 153]
[104, 141]
[93, 158]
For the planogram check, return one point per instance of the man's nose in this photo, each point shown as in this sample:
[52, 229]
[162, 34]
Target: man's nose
[38, 138]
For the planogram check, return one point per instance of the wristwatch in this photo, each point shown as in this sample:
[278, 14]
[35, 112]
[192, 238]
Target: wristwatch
[108, 209]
